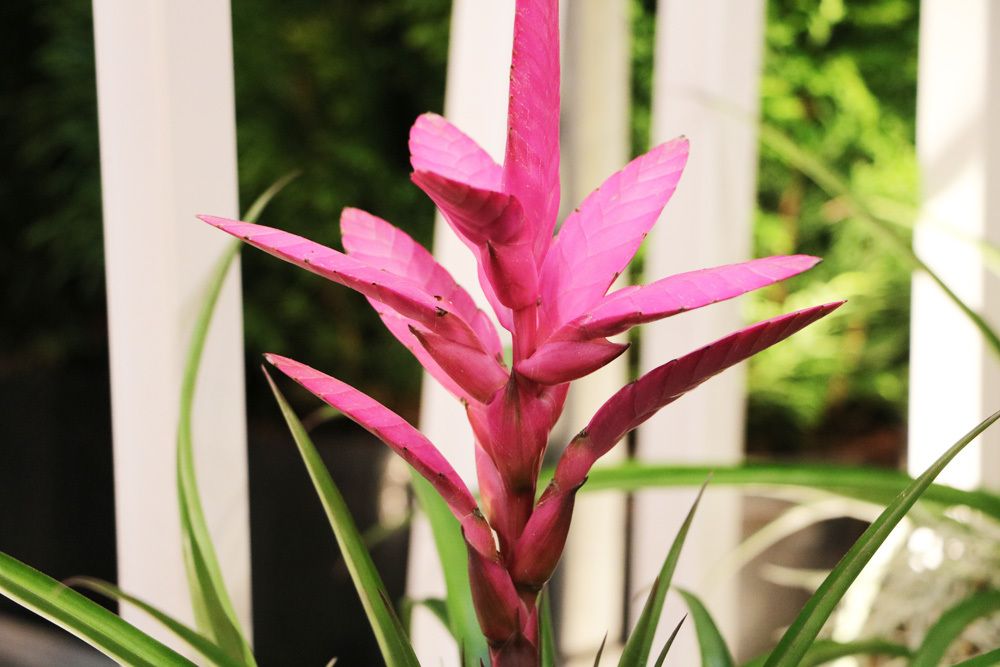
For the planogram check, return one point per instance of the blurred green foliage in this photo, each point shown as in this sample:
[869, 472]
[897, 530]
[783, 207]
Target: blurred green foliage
[840, 79]
[331, 88]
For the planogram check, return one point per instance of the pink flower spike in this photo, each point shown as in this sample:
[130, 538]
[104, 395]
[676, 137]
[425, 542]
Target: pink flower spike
[476, 372]
[531, 166]
[559, 361]
[640, 400]
[604, 233]
[379, 244]
[438, 146]
[401, 294]
[632, 306]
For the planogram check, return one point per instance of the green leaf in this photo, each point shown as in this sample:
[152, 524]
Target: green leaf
[869, 484]
[640, 642]
[951, 624]
[436, 606]
[83, 618]
[714, 652]
[795, 643]
[600, 651]
[827, 650]
[670, 642]
[546, 633]
[203, 645]
[389, 631]
[210, 600]
[454, 564]
[990, 659]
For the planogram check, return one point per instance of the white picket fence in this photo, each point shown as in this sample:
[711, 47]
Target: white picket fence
[168, 151]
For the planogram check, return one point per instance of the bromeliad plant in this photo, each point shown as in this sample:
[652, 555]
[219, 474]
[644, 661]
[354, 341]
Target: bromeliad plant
[551, 292]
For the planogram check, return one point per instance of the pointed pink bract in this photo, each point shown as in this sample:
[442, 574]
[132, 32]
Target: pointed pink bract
[438, 146]
[597, 240]
[531, 166]
[631, 306]
[640, 400]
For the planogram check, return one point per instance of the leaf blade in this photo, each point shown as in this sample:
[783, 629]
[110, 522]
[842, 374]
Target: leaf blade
[714, 651]
[83, 618]
[951, 624]
[203, 645]
[796, 641]
[640, 642]
[389, 632]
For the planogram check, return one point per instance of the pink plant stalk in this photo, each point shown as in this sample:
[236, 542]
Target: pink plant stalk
[551, 292]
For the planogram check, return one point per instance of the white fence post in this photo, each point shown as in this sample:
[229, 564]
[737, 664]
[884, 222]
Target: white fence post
[168, 151]
[707, 69]
[475, 101]
[595, 134]
[954, 375]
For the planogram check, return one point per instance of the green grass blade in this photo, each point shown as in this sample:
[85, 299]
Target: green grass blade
[212, 606]
[714, 652]
[454, 563]
[203, 645]
[83, 618]
[795, 643]
[670, 642]
[640, 642]
[547, 637]
[869, 484]
[951, 624]
[990, 659]
[600, 651]
[389, 632]
[826, 650]
[835, 186]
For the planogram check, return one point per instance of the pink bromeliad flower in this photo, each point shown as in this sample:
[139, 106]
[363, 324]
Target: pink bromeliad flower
[551, 292]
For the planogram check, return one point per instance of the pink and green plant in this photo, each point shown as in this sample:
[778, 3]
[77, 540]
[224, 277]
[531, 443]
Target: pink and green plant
[551, 292]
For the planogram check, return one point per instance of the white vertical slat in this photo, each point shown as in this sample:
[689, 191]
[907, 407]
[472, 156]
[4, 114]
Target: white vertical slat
[707, 68]
[954, 376]
[168, 151]
[475, 101]
[595, 102]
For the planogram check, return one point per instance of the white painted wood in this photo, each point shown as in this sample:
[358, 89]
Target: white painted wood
[595, 144]
[954, 376]
[708, 57]
[476, 101]
[168, 151]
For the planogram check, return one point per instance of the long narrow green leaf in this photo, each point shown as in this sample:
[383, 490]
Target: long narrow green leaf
[795, 643]
[389, 631]
[454, 563]
[640, 642]
[835, 186]
[670, 642]
[204, 646]
[947, 629]
[714, 652]
[212, 606]
[827, 650]
[868, 484]
[83, 618]
[547, 637]
[991, 659]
